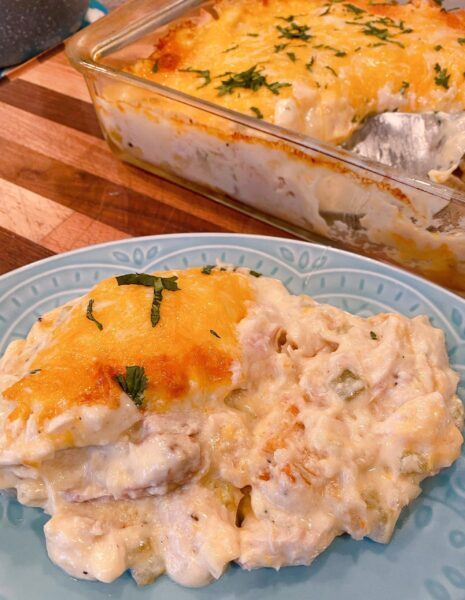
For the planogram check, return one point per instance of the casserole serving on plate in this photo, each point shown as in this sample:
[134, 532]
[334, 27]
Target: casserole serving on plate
[178, 421]
[246, 103]
[426, 551]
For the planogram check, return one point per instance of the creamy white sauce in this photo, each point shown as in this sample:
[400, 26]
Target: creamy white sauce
[311, 195]
[329, 427]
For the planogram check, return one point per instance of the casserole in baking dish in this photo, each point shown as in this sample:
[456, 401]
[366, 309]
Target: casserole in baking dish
[247, 101]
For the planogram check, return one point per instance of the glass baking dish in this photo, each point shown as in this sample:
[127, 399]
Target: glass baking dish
[302, 185]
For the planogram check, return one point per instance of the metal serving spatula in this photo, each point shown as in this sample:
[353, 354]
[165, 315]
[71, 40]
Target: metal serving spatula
[419, 144]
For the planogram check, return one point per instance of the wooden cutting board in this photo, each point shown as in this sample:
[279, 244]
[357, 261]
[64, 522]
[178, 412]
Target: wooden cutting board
[60, 186]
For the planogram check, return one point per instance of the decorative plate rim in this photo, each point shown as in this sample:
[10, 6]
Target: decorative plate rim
[395, 268]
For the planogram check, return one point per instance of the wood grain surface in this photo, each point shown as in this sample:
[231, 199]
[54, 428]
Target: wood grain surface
[60, 186]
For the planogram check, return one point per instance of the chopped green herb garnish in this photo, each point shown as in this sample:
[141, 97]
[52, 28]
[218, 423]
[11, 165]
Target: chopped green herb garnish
[276, 86]
[280, 47]
[391, 23]
[382, 34]
[292, 56]
[294, 31]
[335, 50]
[369, 28]
[251, 79]
[252, 34]
[442, 77]
[34, 371]
[90, 316]
[332, 70]
[207, 269]
[354, 9]
[155, 67]
[137, 279]
[404, 87]
[290, 18]
[156, 302]
[169, 283]
[230, 49]
[213, 332]
[157, 283]
[203, 74]
[373, 335]
[328, 7]
[257, 112]
[309, 65]
[134, 384]
[255, 273]
[438, 47]
[461, 41]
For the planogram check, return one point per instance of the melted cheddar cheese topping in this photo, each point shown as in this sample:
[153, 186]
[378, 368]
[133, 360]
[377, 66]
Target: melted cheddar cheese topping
[316, 66]
[78, 363]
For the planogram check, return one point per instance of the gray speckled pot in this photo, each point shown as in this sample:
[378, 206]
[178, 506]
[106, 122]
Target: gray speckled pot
[28, 27]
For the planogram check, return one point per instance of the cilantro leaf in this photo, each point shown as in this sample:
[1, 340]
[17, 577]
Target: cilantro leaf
[442, 77]
[169, 283]
[294, 32]
[338, 53]
[258, 113]
[354, 9]
[134, 384]
[90, 315]
[381, 33]
[309, 65]
[136, 279]
[156, 302]
[203, 74]
[158, 283]
[230, 49]
[251, 79]
[207, 269]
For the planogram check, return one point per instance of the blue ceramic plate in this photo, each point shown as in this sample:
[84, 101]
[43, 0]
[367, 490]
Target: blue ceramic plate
[426, 557]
